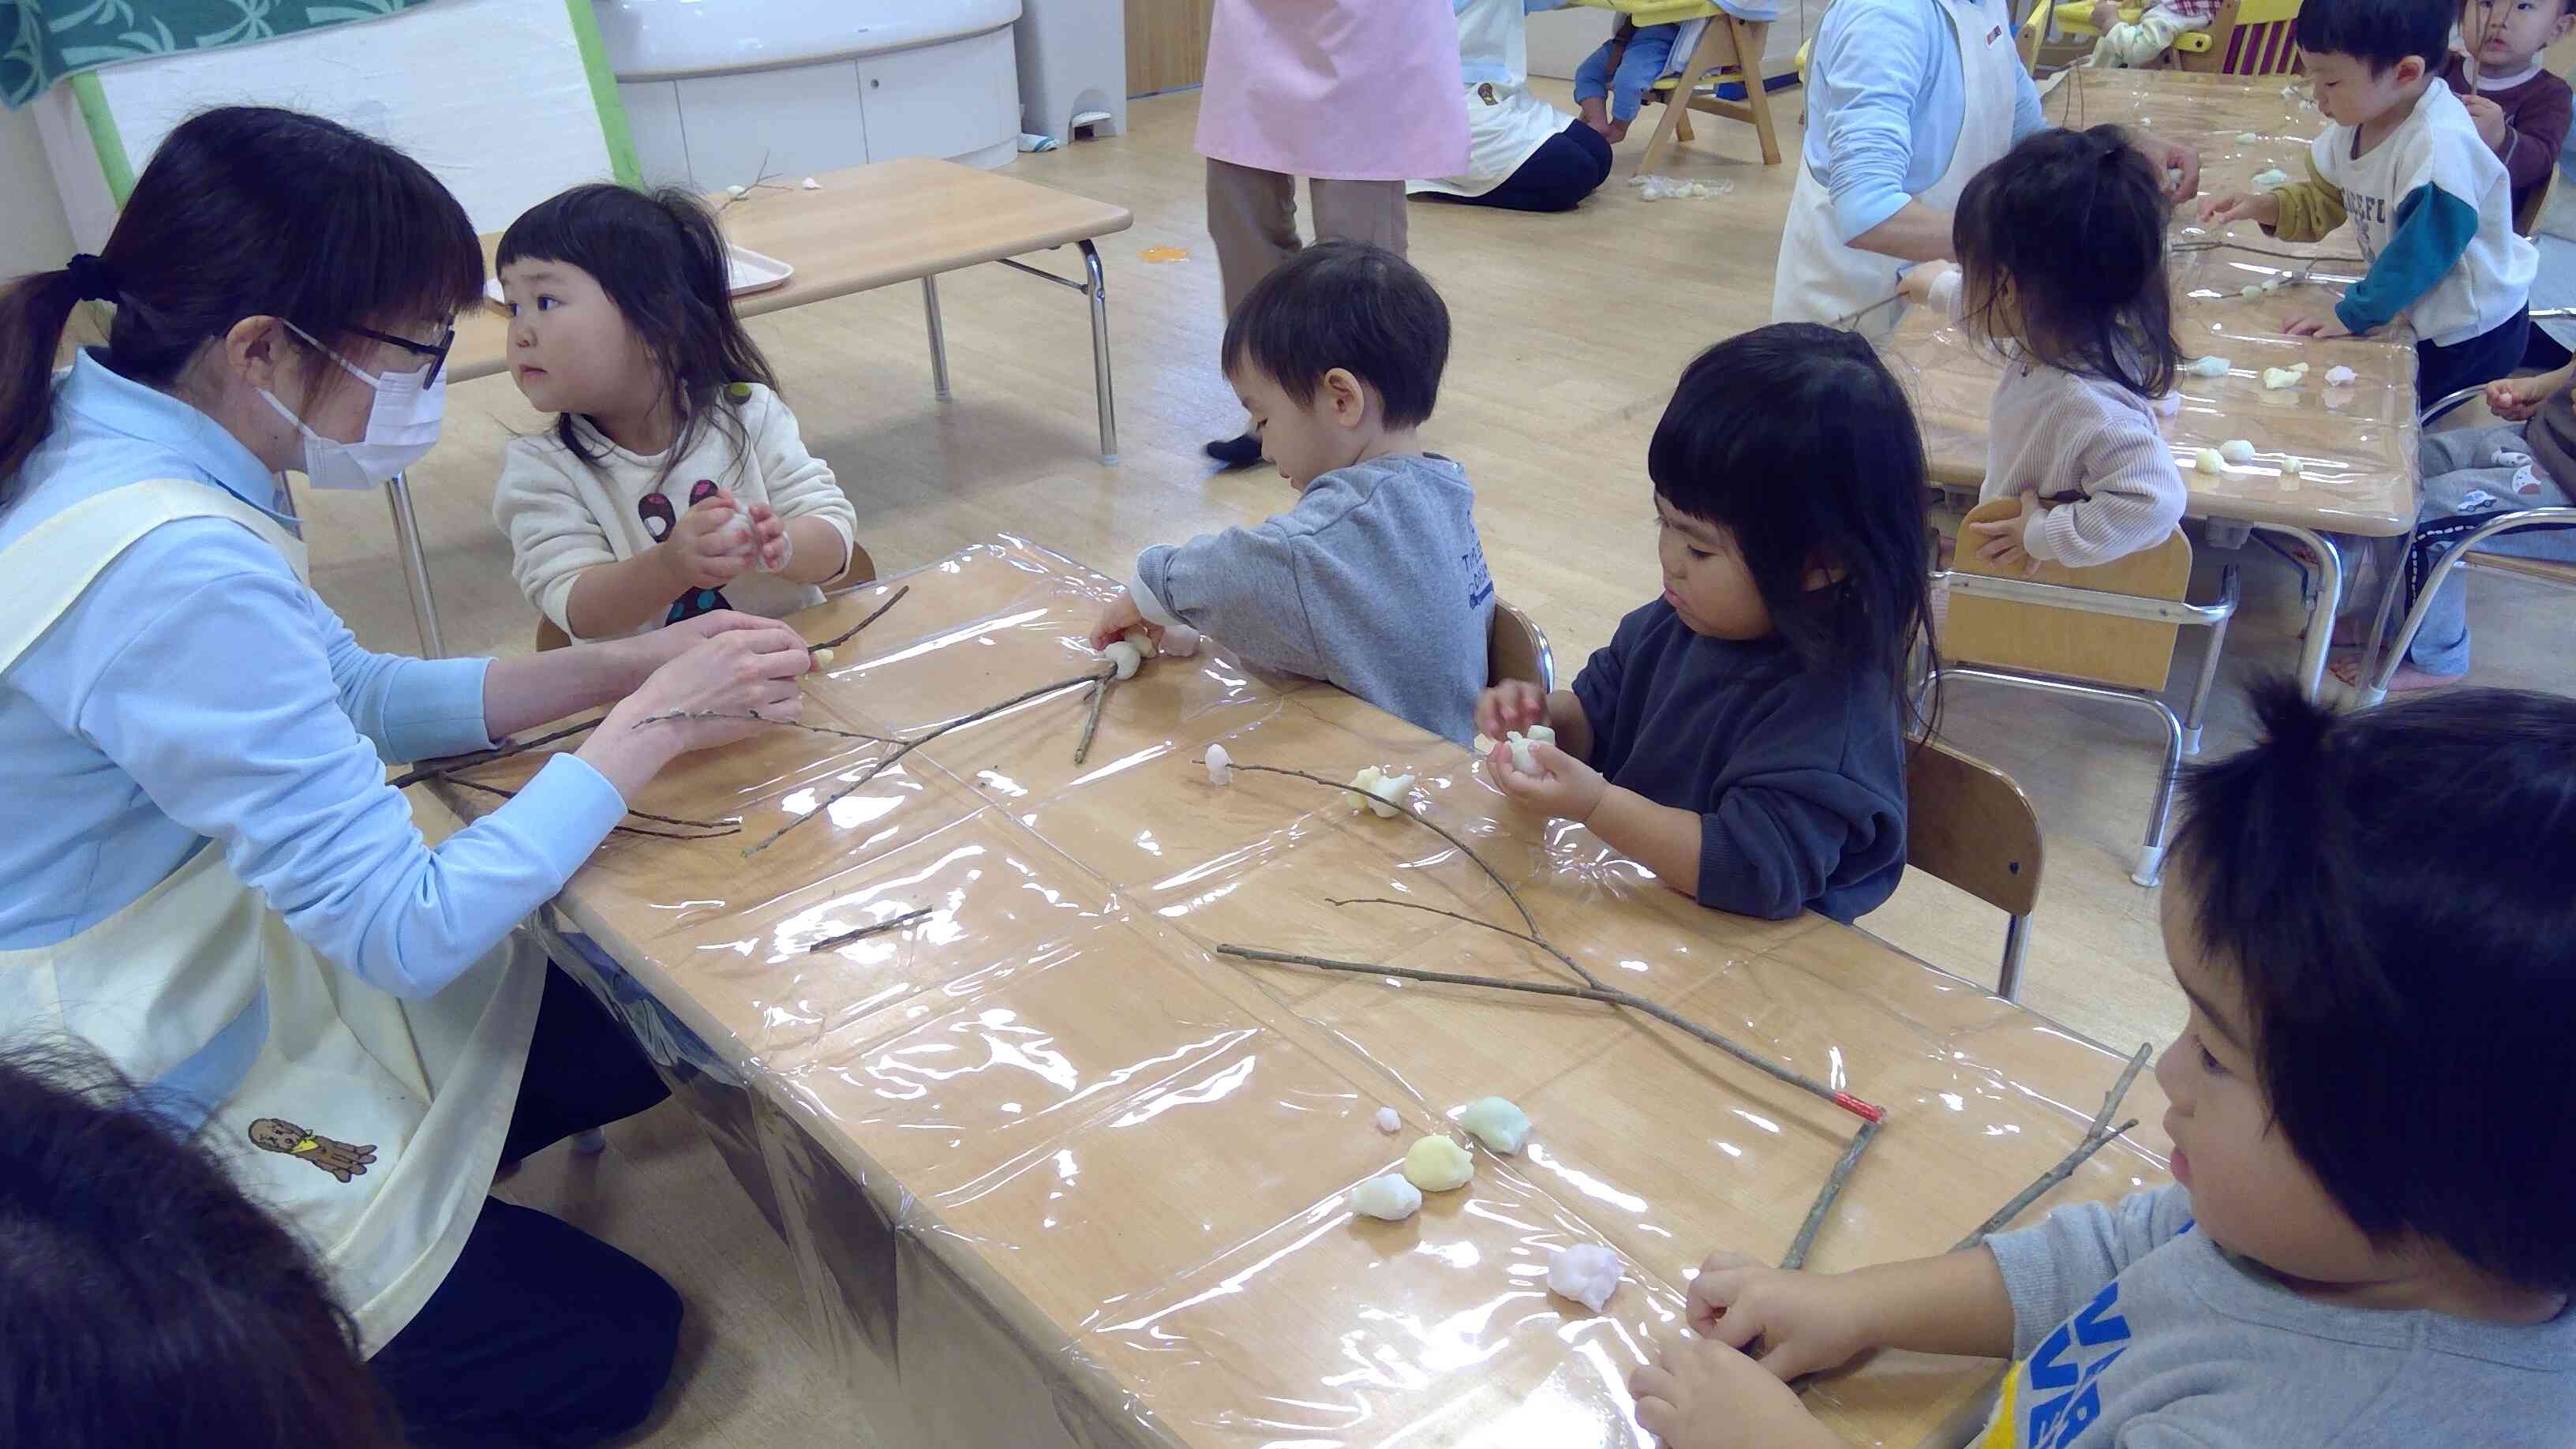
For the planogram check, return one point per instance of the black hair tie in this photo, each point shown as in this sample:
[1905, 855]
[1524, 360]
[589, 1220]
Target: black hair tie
[92, 278]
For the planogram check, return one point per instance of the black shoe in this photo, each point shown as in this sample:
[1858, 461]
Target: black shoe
[1237, 452]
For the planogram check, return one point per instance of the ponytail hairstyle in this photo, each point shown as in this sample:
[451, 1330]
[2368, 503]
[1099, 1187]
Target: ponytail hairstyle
[2075, 221]
[660, 259]
[244, 211]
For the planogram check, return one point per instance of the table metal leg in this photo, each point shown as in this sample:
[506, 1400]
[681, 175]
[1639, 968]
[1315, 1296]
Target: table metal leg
[2321, 608]
[415, 563]
[938, 338]
[1098, 292]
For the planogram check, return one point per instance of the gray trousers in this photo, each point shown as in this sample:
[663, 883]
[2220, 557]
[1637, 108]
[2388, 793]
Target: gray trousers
[1252, 217]
[2469, 473]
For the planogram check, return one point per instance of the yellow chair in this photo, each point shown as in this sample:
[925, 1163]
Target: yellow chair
[2105, 632]
[1729, 52]
[2246, 37]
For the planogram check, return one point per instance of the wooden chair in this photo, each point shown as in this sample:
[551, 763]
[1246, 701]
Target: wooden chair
[2526, 217]
[2105, 632]
[2245, 37]
[2466, 551]
[1967, 823]
[1516, 649]
[1729, 50]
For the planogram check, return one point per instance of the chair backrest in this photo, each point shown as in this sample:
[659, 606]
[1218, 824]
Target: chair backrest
[1967, 823]
[1515, 649]
[2247, 37]
[2526, 217]
[2102, 648]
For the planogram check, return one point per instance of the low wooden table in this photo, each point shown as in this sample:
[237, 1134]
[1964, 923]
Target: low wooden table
[1058, 1174]
[2355, 445]
[867, 227]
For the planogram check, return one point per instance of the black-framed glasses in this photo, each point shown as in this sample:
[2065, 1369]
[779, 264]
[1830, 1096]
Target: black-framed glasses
[437, 355]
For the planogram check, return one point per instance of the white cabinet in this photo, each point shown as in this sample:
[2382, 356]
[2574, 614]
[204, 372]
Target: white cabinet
[923, 102]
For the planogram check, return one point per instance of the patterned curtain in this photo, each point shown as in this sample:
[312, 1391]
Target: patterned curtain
[50, 39]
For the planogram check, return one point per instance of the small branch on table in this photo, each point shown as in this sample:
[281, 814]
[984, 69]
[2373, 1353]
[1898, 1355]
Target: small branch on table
[1426, 823]
[2096, 1136]
[753, 716]
[446, 769]
[704, 829]
[1091, 722]
[1570, 963]
[852, 632]
[1841, 1174]
[879, 928]
[880, 766]
[1607, 995]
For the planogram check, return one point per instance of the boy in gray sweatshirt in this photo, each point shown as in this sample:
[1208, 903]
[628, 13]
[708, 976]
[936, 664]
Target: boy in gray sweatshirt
[1375, 581]
[2370, 1238]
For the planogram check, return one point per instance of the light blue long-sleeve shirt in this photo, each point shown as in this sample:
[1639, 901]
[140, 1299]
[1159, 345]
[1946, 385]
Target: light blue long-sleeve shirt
[1885, 100]
[199, 692]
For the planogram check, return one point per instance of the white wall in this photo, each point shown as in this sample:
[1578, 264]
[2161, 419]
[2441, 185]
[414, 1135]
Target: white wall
[1560, 39]
[33, 236]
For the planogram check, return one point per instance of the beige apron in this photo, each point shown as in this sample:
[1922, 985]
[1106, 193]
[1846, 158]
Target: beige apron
[369, 1124]
[1822, 279]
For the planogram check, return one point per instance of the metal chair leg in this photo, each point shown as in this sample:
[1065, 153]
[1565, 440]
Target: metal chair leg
[415, 566]
[1098, 292]
[2151, 855]
[2016, 945]
[938, 338]
[2228, 586]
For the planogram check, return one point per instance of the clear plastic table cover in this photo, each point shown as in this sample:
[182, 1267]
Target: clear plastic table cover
[2354, 445]
[1056, 1173]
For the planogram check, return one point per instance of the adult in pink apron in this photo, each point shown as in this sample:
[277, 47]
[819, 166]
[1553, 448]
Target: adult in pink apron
[1356, 96]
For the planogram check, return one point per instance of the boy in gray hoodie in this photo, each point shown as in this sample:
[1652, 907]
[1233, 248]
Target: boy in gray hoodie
[1375, 581]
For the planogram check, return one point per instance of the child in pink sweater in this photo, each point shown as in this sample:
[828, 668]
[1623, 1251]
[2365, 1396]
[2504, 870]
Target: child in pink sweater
[2076, 430]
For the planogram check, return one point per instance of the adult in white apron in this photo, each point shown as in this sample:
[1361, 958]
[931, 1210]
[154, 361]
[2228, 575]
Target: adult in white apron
[1356, 96]
[203, 875]
[1523, 154]
[1907, 100]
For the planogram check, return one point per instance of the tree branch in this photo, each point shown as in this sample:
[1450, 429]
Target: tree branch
[878, 928]
[2096, 1137]
[852, 632]
[1426, 823]
[1570, 963]
[1841, 1174]
[1609, 995]
[447, 768]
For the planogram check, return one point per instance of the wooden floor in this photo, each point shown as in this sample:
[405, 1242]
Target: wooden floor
[1569, 332]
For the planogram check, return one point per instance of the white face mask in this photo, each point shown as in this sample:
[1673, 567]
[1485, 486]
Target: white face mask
[402, 424]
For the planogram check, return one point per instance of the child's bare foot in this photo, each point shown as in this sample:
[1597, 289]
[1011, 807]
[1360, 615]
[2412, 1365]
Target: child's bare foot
[1617, 132]
[1594, 114]
[2407, 680]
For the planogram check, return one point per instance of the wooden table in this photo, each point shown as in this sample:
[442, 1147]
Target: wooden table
[2355, 445]
[1057, 1174]
[867, 227]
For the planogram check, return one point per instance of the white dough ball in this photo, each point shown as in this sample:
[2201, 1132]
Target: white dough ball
[1389, 1197]
[1127, 657]
[1497, 1123]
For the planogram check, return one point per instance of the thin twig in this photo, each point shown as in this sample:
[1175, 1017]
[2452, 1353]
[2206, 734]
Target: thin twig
[1091, 722]
[753, 716]
[852, 632]
[1570, 963]
[879, 928]
[2097, 1135]
[446, 768]
[711, 828]
[824, 806]
[1834, 1181]
[1609, 995]
[1426, 823]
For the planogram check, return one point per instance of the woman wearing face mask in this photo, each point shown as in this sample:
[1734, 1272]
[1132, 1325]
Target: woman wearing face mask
[202, 872]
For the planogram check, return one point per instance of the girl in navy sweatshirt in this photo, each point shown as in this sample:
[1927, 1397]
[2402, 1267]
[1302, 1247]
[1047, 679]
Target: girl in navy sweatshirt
[1743, 736]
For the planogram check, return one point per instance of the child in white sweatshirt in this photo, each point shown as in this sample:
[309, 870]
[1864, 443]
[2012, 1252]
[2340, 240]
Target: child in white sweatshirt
[673, 482]
[2076, 429]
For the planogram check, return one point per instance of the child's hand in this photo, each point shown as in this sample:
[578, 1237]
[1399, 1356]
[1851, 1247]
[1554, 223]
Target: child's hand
[1514, 704]
[2105, 15]
[1916, 285]
[769, 535]
[1121, 616]
[2515, 399]
[2007, 540]
[1564, 786]
[710, 545]
[2241, 206]
[1700, 1395]
[2315, 324]
[1803, 1320]
[2488, 117]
